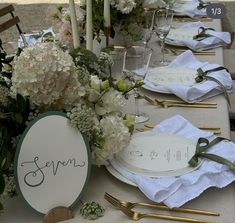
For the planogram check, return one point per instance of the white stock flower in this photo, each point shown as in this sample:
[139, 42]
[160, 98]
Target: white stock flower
[126, 6]
[46, 74]
[116, 137]
[111, 101]
[95, 82]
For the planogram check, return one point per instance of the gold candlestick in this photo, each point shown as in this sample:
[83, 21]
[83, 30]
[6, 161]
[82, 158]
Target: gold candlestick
[107, 31]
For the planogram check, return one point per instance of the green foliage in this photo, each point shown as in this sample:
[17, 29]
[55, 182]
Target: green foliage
[12, 121]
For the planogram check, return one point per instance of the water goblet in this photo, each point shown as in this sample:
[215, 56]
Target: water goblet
[162, 24]
[147, 24]
[135, 63]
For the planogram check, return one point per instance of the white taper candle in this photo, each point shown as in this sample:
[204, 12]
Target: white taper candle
[89, 25]
[75, 34]
[106, 13]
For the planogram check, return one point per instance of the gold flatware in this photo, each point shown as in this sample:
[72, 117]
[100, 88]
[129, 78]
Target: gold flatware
[183, 102]
[116, 202]
[189, 106]
[188, 19]
[149, 125]
[137, 216]
[163, 103]
[167, 105]
[215, 132]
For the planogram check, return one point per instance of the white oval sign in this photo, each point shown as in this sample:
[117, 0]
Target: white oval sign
[52, 163]
[157, 155]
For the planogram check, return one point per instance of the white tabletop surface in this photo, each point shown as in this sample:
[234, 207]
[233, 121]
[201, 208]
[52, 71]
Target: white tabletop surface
[220, 200]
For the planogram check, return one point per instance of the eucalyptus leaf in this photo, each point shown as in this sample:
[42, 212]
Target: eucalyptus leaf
[21, 103]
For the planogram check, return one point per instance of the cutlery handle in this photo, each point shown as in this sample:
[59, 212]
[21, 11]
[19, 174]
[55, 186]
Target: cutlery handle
[174, 218]
[184, 210]
[190, 106]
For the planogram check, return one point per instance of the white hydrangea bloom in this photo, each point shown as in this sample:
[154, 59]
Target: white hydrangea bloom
[111, 101]
[124, 6]
[95, 82]
[47, 75]
[117, 137]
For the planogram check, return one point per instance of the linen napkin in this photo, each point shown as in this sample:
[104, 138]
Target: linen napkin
[176, 191]
[189, 8]
[216, 39]
[34, 38]
[198, 91]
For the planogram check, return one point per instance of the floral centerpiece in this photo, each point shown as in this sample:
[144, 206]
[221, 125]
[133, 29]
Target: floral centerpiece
[127, 19]
[46, 77]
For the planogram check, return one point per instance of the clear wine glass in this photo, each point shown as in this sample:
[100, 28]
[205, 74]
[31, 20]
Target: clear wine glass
[162, 24]
[135, 63]
[147, 24]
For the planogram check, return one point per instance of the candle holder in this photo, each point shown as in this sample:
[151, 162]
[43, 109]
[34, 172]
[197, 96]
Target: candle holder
[107, 31]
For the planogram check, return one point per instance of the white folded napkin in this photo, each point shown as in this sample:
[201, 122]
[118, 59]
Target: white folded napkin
[34, 38]
[189, 8]
[216, 40]
[198, 91]
[176, 191]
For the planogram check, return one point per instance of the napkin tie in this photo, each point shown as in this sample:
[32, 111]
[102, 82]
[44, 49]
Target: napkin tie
[202, 33]
[202, 145]
[202, 4]
[202, 75]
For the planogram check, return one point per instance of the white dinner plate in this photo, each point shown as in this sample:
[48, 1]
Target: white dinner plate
[117, 175]
[160, 155]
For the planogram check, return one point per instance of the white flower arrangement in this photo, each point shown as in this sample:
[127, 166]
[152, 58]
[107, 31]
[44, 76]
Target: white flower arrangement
[46, 74]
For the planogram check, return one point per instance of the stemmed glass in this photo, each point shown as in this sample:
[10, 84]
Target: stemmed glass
[135, 65]
[147, 23]
[162, 24]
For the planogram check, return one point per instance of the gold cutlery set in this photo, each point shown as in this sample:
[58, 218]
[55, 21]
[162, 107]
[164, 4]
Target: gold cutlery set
[178, 103]
[126, 207]
[177, 51]
[214, 129]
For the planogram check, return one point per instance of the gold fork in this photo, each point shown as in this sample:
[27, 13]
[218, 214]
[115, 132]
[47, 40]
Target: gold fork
[137, 216]
[116, 202]
[163, 103]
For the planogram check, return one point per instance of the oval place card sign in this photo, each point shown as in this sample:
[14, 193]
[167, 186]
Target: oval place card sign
[52, 163]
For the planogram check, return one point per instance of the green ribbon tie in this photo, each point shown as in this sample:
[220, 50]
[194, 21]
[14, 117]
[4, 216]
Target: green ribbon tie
[202, 4]
[202, 145]
[202, 75]
[202, 33]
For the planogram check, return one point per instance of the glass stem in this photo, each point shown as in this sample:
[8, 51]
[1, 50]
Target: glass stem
[137, 111]
[163, 49]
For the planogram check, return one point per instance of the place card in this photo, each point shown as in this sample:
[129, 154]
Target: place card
[157, 155]
[52, 163]
[167, 75]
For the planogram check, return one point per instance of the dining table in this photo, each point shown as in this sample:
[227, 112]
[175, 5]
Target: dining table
[221, 200]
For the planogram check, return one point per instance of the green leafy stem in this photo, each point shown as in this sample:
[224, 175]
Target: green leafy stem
[202, 145]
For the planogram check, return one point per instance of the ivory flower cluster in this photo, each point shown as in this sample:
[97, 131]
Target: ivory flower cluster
[46, 74]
